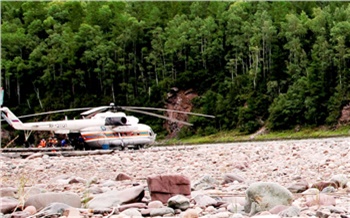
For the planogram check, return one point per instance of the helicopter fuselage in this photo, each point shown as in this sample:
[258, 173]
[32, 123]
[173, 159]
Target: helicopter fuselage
[121, 136]
[112, 129]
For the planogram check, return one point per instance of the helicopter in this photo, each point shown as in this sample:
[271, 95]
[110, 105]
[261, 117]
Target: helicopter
[100, 127]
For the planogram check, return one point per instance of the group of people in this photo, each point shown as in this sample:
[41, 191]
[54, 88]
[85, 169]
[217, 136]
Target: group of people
[52, 142]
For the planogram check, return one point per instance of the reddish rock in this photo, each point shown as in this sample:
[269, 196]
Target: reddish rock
[122, 176]
[345, 115]
[321, 185]
[163, 187]
[178, 100]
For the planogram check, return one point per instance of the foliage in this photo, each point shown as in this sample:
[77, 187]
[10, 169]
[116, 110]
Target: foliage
[278, 64]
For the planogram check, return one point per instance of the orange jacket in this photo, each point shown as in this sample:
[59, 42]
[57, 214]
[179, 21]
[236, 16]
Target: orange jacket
[42, 143]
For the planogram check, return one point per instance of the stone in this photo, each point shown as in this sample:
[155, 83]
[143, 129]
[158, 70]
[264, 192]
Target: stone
[277, 209]
[30, 191]
[30, 210]
[132, 205]
[204, 201]
[321, 185]
[122, 177]
[224, 214]
[54, 208]
[42, 200]
[235, 208]
[163, 187]
[291, 211]
[116, 198]
[262, 196]
[206, 182]
[95, 190]
[132, 212]
[146, 212]
[162, 211]
[311, 191]
[190, 213]
[340, 179]
[72, 213]
[320, 200]
[324, 213]
[20, 214]
[299, 186]
[179, 202]
[231, 177]
[266, 216]
[8, 192]
[329, 189]
[109, 183]
[76, 180]
[236, 215]
[8, 204]
[155, 204]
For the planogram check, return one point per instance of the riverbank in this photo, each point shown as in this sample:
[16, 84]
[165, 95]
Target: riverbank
[223, 172]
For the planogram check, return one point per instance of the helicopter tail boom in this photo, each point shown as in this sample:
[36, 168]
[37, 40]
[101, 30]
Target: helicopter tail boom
[11, 118]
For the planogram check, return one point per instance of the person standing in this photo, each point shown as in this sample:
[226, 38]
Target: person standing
[42, 143]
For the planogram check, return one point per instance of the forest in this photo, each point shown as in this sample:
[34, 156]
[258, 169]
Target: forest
[253, 64]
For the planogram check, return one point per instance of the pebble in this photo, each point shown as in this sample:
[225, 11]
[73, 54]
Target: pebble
[219, 174]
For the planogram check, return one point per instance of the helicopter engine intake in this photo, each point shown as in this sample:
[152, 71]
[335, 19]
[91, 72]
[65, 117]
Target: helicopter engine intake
[115, 121]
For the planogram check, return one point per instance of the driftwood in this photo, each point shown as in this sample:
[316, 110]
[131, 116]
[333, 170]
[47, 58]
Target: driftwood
[86, 153]
[31, 153]
[11, 141]
[52, 152]
[47, 149]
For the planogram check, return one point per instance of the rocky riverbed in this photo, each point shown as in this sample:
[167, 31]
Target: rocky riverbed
[309, 177]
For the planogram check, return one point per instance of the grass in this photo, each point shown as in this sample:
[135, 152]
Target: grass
[236, 136]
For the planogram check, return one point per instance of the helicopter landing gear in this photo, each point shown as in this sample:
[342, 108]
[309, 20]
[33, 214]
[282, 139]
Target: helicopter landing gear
[137, 147]
[120, 148]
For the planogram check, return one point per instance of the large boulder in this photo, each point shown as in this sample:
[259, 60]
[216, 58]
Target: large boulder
[262, 196]
[163, 187]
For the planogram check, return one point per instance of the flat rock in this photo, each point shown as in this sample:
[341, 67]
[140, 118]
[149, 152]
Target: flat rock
[115, 198]
[42, 200]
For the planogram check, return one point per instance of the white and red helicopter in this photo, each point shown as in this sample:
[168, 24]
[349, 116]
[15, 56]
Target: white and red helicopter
[100, 126]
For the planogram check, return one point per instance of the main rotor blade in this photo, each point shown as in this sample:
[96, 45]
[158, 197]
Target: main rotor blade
[94, 110]
[169, 110]
[159, 116]
[53, 112]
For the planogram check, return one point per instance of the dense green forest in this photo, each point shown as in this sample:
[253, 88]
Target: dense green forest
[253, 64]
